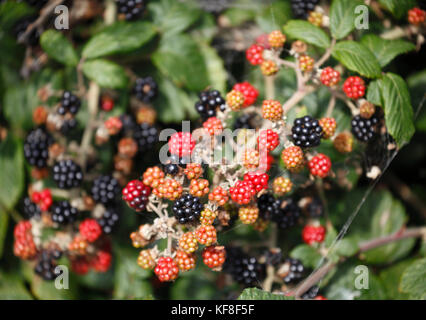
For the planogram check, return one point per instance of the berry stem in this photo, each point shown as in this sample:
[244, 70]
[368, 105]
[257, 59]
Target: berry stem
[331, 105]
[326, 55]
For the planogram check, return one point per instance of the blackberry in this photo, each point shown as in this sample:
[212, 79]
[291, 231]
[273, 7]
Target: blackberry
[146, 136]
[46, 265]
[364, 129]
[294, 270]
[68, 125]
[187, 208]
[377, 152]
[69, 103]
[287, 217]
[145, 89]
[301, 8]
[36, 147]
[311, 293]
[315, 208]
[67, 174]
[273, 256]
[244, 269]
[63, 213]
[31, 210]
[210, 101]
[180, 161]
[105, 189]
[131, 9]
[268, 206]
[245, 121]
[215, 7]
[306, 132]
[109, 220]
[171, 169]
[129, 123]
[22, 25]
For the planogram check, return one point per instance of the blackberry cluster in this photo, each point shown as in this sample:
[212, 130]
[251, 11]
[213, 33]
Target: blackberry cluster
[145, 136]
[105, 189]
[131, 9]
[268, 206]
[364, 129]
[287, 217]
[69, 104]
[187, 208]
[63, 213]
[301, 8]
[46, 264]
[21, 26]
[145, 89]
[244, 269]
[171, 168]
[31, 209]
[36, 147]
[306, 132]
[296, 270]
[67, 174]
[311, 293]
[209, 102]
[109, 220]
[315, 208]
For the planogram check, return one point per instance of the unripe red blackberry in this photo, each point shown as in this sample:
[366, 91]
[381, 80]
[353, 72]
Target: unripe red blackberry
[242, 192]
[206, 235]
[102, 261]
[136, 195]
[328, 126]
[248, 215]
[80, 265]
[269, 68]
[258, 179]
[313, 234]
[293, 158]
[354, 87]
[330, 77]
[214, 257]
[90, 229]
[272, 110]
[181, 144]
[276, 39]
[306, 63]
[146, 259]
[219, 196]
[281, 186]
[185, 261]
[127, 147]
[187, 209]
[107, 103]
[343, 142]
[145, 89]
[67, 174]
[416, 16]
[208, 216]
[188, 242]
[113, 125]
[269, 139]
[235, 100]
[213, 126]
[320, 165]
[24, 246]
[250, 93]
[254, 54]
[166, 269]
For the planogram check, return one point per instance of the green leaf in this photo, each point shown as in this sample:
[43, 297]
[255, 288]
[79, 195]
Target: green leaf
[13, 288]
[172, 60]
[4, 223]
[356, 57]
[121, 37]
[281, 13]
[391, 277]
[11, 12]
[305, 31]
[58, 47]
[307, 254]
[342, 17]
[257, 294]
[413, 280]
[193, 286]
[373, 93]
[398, 8]
[105, 73]
[397, 108]
[235, 16]
[11, 171]
[346, 247]
[215, 69]
[386, 50]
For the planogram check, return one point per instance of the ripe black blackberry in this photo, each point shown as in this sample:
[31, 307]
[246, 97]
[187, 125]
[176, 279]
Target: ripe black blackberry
[187, 208]
[109, 220]
[243, 269]
[315, 208]
[293, 270]
[273, 256]
[63, 213]
[171, 168]
[210, 101]
[131, 9]
[31, 210]
[268, 206]
[129, 124]
[311, 293]
[67, 174]
[105, 189]
[145, 89]
[22, 25]
[288, 216]
[69, 103]
[180, 161]
[36, 147]
[68, 125]
[306, 132]
[364, 129]
[46, 265]
[245, 121]
[301, 8]
[146, 136]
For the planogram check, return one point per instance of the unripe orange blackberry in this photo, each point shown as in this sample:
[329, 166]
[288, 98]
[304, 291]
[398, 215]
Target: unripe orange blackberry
[40, 115]
[193, 171]
[219, 196]
[269, 68]
[306, 63]
[260, 224]
[416, 16]
[343, 142]
[249, 214]
[146, 260]
[127, 147]
[152, 176]
[251, 158]
[78, 245]
[199, 187]
[188, 242]
[213, 126]
[146, 115]
[206, 235]
[276, 39]
[235, 100]
[316, 18]
[329, 126]
[184, 260]
[214, 257]
[166, 269]
[169, 189]
[293, 158]
[366, 110]
[281, 186]
[272, 110]
[208, 216]
[299, 46]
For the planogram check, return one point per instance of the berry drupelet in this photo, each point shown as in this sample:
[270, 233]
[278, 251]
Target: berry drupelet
[364, 129]
[109, 220]
[209, 102]
[288, 216]
[63, 213]
[69, 103]
[145, 89]
[36, 147]
[187, 208]
[131, 9]
[301, 8]
[146, 136]
[105, 189]
[306, 132]
[67, 174]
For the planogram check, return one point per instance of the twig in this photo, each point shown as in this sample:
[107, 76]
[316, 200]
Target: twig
[331, 106]
[326, 55]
